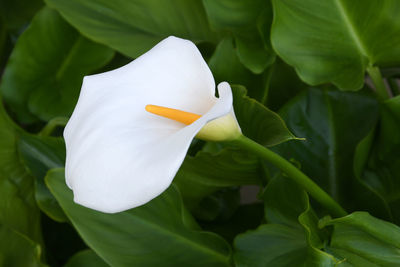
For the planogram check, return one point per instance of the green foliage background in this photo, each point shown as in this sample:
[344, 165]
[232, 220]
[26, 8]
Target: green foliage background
[324, 71]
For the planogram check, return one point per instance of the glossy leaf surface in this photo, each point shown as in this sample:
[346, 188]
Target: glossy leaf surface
[17, 250]
[85, 258]
[258, 122]
[18, 209]
[141, 23]
[226, 66]
[40, 154]
[332, 123]
[45, 70]
[362, 240]
[207, 172]
[335, 40]
[162, 228]
[377, 165]
[291, 237]
[249, 22]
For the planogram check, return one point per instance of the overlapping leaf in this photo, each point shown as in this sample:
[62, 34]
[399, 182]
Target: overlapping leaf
[336, 40]
[291, 238]
[332, 123]
[45, 70]
[18, 13]
[133, 27]
[18, 209]
[17, 250]
[249, 22]
[158, 233]
[40, 154]
[377, 165]
[20, 232]
[225, 66]
[362, 240]
[258, 122]
[85, 258]
[207, 171]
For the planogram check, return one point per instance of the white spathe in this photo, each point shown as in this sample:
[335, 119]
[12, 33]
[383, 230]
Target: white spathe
[119, 156]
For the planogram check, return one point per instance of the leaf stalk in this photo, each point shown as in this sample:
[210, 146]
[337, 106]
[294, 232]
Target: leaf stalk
[379, 84]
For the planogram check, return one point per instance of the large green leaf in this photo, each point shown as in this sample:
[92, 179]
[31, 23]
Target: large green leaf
[207, 172]
[333, 123]
[40, 154]
[258, 122]
[362, 240]
[85, 258]
[18, 209]
[225, 66]
[336, 40]
[133, 27]
[291, 238]
[45, 70]
[20, 232]
[160, 233]
[275, 86]
[249, 22]
[284, 85]
[16, 250]
[377, 165]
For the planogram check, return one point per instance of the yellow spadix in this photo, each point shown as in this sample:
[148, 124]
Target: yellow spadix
[173, 114]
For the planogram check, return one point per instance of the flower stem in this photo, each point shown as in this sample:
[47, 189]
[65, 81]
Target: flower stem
[294, 173]
[377, 79]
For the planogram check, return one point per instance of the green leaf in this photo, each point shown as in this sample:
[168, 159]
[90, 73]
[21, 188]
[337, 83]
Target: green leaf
[207, 172]
[377, 165]
[18, 13]
[225, 66]
[362, 240]
[41, 154]
[291, 238]
[332, 123]
[248, 216]
[85, 258]
[335, 40]
[152, 235]
[45, 70]
[219, 206]
[133, 27]
[258, 122]
[284, 85]
[17, 250]
[3, 41]
[203, 174]
[249, 22]
[18, 209]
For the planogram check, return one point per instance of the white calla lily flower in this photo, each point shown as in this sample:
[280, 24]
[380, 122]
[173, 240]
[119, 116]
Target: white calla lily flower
[120, 152]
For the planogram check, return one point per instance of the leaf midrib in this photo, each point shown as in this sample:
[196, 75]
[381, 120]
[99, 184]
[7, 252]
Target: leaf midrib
[174, 235]
[352, 29]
